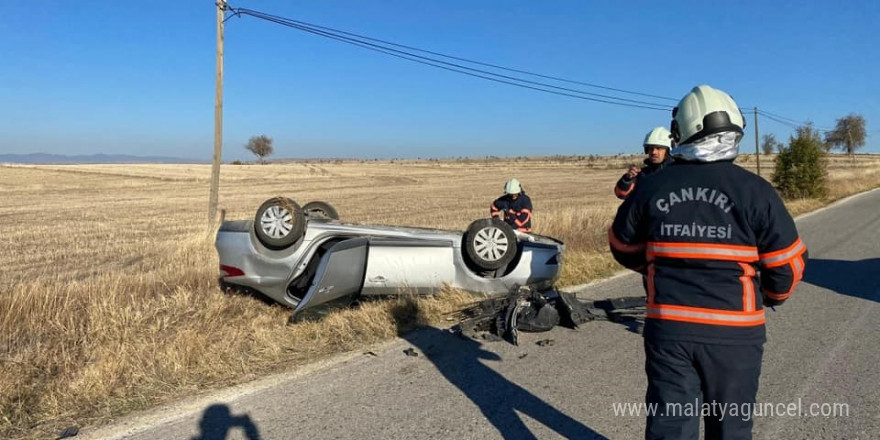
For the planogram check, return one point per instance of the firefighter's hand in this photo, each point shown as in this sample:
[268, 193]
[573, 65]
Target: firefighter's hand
[632, 173]
[770, 302]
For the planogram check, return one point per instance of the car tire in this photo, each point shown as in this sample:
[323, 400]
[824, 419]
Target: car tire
[321, 209]
[279, 223]
[490, 244]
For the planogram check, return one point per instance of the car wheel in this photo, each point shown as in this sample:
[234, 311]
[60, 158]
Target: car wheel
[322, 209]
[490, 243]
[279, 223]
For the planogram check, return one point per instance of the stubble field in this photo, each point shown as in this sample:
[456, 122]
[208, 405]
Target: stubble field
[108, 293]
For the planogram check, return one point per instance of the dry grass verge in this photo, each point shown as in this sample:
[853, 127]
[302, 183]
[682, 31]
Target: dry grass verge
[109, 302]
[99, 348]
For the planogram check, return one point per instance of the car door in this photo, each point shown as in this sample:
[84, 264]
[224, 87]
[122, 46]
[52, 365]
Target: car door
[340, 273]
[408, 265]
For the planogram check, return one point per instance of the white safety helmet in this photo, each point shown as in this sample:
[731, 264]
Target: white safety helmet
[705, 111]
[658, 137]
[512, 187]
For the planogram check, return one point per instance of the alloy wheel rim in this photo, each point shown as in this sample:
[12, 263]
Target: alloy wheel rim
[276, 222]
[490, 243]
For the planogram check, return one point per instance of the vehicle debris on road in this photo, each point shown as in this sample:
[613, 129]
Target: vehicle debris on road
[531, 310]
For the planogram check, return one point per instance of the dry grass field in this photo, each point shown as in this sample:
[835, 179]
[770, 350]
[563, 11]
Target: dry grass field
[108, 294]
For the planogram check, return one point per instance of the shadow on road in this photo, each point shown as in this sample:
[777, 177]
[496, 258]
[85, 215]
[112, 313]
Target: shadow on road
[860, 279]
[459, 360]
[217, 422]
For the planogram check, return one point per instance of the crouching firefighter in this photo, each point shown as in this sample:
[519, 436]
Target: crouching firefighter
[657, 144]
[699, 233]
[514, 207]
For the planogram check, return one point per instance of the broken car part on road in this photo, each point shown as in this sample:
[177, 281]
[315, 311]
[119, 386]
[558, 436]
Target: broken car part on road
[531, 310]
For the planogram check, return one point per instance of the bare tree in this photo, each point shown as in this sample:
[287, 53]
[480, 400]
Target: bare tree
[261, 146]
[769, 143]
[848, 135]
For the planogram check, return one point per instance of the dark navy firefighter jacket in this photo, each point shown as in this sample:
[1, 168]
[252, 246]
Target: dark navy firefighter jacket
[625, 186]
[518, 213]
[714, 243]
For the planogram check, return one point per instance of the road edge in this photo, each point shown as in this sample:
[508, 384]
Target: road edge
[138, 422]
[835, 203]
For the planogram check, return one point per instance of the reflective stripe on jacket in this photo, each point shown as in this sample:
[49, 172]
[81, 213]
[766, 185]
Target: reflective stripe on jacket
[699, 233]
[518, 213]
[625, 186]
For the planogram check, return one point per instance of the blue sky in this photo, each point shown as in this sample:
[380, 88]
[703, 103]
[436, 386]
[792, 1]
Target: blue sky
[125, 77]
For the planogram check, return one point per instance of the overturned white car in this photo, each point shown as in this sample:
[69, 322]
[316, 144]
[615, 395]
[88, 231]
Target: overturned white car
[302, 257]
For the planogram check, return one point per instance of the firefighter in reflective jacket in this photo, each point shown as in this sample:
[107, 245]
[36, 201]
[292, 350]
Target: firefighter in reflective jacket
[700, 234]
[657, 144]
[514, 207]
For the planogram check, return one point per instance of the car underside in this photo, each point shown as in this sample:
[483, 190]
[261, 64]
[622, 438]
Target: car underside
[302, 258]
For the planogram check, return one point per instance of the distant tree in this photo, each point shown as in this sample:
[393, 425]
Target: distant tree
[769, 143]
[800, 167]
[261, 146]
[848, 135]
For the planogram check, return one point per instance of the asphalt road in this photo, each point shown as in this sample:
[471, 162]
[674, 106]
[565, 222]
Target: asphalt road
[822, 349]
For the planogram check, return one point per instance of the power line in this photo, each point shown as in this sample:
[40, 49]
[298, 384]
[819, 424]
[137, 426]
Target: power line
[491, 76]
[452, 66]
[790, 124]
[780, 121]
[472, 61]
[794, 121]
[394, 49]
[480, 73]
[790, 120]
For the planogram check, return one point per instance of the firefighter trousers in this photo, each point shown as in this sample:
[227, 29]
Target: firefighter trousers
[688, 380]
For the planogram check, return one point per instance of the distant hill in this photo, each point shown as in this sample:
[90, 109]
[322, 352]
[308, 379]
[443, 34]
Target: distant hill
[44, 158]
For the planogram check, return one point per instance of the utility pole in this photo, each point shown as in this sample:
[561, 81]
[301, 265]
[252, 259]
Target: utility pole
[757, 151]
[218, 117]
